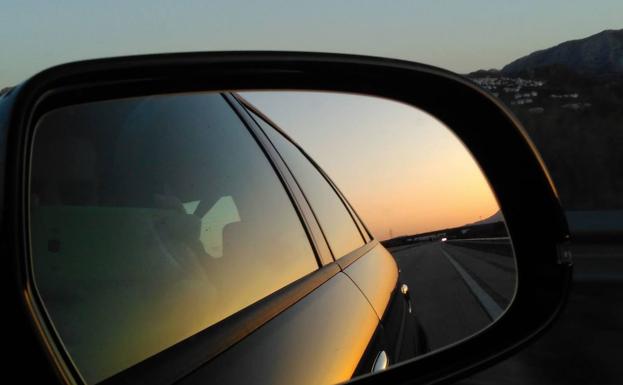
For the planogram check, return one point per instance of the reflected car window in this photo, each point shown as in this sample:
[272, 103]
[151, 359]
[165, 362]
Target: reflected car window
[335, 220]
[152, 219]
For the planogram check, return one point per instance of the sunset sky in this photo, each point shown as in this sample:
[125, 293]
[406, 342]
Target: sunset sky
[401, 169]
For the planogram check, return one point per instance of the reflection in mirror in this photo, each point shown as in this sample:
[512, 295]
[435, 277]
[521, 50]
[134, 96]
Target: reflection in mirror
[421, 194]
[170, 224]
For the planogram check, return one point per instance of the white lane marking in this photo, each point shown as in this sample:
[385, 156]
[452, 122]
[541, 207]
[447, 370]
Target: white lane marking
[491, 307]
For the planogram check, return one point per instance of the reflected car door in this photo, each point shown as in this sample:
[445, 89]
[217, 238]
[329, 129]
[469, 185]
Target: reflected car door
[328, 336]
[254, 303]
[373, 270]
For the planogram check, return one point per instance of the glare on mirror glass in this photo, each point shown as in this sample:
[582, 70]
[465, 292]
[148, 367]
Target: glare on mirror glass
[168, 220]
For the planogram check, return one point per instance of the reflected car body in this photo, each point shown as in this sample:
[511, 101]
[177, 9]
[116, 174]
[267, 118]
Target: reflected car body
[338, 331]
[350, 316]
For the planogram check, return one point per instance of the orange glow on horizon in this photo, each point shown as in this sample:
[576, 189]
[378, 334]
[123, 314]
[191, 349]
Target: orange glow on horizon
[402, 170]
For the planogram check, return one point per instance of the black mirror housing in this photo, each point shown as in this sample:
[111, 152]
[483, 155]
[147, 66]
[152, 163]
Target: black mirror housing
[499, 144]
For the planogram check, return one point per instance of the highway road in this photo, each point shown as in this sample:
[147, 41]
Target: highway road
[456, 291]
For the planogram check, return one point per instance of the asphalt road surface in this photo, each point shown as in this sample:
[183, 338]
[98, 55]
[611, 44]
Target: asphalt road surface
[456, 291]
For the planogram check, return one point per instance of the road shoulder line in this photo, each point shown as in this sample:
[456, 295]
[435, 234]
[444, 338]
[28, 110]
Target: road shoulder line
[491, 307]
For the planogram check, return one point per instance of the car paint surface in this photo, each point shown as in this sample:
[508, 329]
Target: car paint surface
[319, 340]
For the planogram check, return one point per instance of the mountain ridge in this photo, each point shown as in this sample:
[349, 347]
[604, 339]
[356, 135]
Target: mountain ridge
[601, 53]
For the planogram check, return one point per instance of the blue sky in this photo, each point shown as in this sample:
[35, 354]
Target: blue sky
[458, 35]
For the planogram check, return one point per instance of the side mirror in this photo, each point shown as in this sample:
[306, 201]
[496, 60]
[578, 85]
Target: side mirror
[272, 217]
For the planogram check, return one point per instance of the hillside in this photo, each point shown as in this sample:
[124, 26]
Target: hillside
[570, 100]
[601, 53]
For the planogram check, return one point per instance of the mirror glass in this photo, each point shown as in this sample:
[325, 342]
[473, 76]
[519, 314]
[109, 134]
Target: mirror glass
[306, 237]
